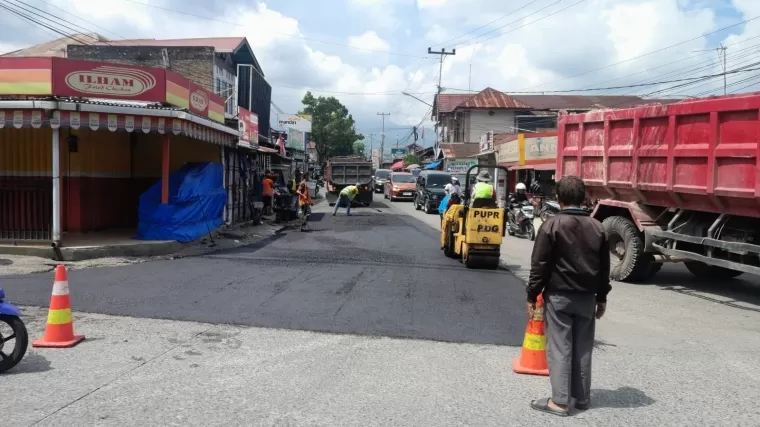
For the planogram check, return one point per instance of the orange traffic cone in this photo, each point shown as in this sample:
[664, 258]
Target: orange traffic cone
[59, 332]
[532, 360]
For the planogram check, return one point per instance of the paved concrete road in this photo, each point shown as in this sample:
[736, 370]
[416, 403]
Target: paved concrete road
[377, 273]
[675, 358]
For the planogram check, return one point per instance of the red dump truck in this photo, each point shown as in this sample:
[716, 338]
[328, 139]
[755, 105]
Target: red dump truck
[343, 171]
[672, 183]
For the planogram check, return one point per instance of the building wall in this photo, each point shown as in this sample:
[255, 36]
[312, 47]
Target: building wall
[224, 80]
[193, 63]
[478, 122]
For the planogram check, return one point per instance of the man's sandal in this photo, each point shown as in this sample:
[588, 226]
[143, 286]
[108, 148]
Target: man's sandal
[543, 406]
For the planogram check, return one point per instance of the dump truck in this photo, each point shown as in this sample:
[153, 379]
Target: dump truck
[672, 183]
[343, 171]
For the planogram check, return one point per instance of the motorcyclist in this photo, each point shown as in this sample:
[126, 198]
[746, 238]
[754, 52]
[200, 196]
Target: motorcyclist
[517, 198]
[453, 187]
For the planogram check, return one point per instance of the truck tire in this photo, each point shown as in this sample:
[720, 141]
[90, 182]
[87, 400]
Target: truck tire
[651, 271]
[625, 239]
[711, 272]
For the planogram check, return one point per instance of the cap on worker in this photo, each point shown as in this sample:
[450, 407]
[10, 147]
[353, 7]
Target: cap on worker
[484, 176]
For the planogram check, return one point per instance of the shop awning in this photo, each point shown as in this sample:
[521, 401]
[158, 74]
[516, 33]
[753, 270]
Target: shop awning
[539, 167]
[433, 165]
[398, 165]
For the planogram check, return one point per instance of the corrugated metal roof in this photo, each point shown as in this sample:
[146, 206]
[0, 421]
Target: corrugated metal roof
[503, 138]
[57, 47]
[492, 98]
[450, 101]
[460, 150]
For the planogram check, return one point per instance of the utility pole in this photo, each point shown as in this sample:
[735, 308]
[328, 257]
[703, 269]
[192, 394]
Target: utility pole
[382, 138]
[721, 54]
[442, 54]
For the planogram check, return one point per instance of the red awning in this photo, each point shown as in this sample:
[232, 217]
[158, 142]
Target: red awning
[398, 165]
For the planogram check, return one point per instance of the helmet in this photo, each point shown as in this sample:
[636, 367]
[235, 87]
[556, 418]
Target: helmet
[520, 187]
[359, 185]
[454, 180]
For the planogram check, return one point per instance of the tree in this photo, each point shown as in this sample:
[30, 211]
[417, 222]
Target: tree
[411, 159]
[359, 148]
[333, 129]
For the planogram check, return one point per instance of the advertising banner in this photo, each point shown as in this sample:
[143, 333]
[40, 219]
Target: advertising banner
[248, 123]
[296, 139]
[459, 166]
[294, 121]
[91, 79]
[540, 149]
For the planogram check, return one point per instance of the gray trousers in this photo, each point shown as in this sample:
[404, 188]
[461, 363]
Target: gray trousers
[570, 325]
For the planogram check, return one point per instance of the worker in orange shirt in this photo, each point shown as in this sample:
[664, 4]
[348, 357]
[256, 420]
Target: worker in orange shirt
[304, 201]
[267, 192]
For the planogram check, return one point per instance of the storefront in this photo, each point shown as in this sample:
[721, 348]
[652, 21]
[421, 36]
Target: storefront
[80, 165]
[538, 158]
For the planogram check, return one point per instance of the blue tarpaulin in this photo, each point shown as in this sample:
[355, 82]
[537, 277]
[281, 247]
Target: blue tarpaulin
[196, 204]
[433, 165]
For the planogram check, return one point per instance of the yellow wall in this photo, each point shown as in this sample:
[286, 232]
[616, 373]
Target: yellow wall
[25, 152]
[99, 155]
[182, 150]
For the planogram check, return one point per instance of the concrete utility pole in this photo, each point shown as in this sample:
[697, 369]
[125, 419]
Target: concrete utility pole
[721, 53]
[382, 138]
[443, 54]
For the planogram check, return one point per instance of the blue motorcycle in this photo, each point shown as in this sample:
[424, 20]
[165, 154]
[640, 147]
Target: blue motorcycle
[13, 336]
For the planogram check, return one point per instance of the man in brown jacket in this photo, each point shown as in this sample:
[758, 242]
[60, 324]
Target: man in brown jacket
[570, 264]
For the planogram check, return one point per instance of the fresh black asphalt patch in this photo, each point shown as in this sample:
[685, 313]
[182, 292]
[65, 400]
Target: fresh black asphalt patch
[376, 274]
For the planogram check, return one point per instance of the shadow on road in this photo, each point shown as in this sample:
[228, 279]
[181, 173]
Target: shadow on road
[623, 397]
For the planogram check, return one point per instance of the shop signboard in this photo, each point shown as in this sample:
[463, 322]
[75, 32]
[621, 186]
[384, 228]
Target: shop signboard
[398, 153]
[459, 166]
[298, 122]
[486, 142]
[248, 125]
[296, 139]
[509, 152]
[89, 79]
[541, 149]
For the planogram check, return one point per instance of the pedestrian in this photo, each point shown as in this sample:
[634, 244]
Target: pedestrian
[570, 265]
[345, 197]
[304, 201]
[267, 192]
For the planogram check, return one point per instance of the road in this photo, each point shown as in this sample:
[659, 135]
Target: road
[363, 321]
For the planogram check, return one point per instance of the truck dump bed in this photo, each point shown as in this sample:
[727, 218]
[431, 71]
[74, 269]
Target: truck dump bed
[349, 170]
[699, 154]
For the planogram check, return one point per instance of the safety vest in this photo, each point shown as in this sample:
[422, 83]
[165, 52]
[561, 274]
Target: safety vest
[351, 191]
[483, 190]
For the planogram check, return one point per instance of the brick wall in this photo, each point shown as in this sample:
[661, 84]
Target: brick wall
[193, 63]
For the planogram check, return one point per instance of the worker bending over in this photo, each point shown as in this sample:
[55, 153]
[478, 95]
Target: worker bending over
[345, 197]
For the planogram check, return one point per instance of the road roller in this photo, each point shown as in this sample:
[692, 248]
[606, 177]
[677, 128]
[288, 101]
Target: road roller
[474, 234]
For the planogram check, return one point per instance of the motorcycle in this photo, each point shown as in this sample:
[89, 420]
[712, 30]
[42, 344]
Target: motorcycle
[317, 185]
[285, 205]
[549, 208]
[11, 316]
[520, 220]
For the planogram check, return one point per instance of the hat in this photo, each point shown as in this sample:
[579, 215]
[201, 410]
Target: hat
[483, 176]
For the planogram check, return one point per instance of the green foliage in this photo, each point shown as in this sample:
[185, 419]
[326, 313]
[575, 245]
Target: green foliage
[332, 127]
[359, 148]
[411, 159]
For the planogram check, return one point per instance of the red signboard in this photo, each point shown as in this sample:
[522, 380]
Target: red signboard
[248, 123]
[199, 100]
[90, 79]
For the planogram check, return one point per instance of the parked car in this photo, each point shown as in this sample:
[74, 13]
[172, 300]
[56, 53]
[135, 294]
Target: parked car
[400, 185]
[381, 177]
[429, 190]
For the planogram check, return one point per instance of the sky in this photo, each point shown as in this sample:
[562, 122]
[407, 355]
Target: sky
[367, 52]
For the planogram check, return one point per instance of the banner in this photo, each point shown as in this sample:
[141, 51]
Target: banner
[294, 121]
[248, 126]
[459, 166]
[296, 139]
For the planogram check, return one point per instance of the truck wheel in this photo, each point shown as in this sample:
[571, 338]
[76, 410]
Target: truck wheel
[627, 257]
[650, 270]
[711, 272]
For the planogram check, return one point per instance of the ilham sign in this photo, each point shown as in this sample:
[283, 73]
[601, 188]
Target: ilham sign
[199, 100]
[108, 80]
[104, 80]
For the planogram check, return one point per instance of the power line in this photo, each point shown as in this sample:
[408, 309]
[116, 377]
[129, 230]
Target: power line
[14, 10]
[650, 53]
[485, 25]
[521, 26]
[279, 33]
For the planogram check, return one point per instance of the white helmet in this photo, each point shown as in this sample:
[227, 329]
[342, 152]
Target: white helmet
[454, 180]
[520, 187]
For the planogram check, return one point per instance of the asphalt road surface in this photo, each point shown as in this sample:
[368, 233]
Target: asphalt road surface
[376, 272]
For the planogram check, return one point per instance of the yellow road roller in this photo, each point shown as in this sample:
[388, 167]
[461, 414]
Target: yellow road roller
[474, 234]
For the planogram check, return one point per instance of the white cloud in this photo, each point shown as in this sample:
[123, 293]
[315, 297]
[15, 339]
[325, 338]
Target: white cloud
[556, 52]
[370, 41]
